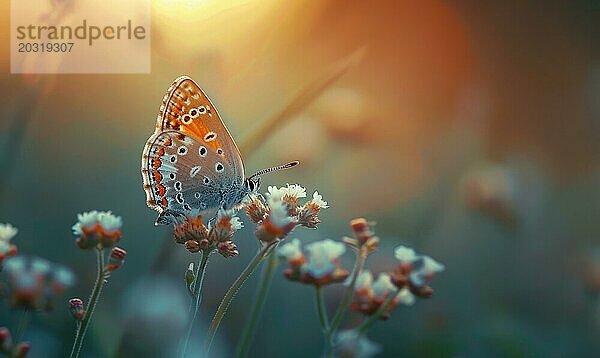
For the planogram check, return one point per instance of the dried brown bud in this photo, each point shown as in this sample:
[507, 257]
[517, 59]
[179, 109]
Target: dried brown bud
[76, 308]
[256, 210]
[227, 249]
[116, 259]
[192, 246]
[190, 229]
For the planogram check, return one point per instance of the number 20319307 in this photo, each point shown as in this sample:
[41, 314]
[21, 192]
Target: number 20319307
[45, 46]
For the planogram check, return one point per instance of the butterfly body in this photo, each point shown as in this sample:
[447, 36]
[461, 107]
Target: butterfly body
[191, 164]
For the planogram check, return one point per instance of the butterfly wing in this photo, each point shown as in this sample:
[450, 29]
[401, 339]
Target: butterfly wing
[187, 109]
[191, 159]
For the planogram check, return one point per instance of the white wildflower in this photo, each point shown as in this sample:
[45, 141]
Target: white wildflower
[322, 257]
[383, 285]
[7, 232]
[85, 220]
[109, 222]
[318, 200]
[290, 251]
[405, 254]
[352, 344]
[363, 280]
[278, 214]
[405, 297]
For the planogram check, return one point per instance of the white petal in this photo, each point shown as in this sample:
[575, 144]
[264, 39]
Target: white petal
[430, 266]
[405, 297]
[318, 200]
[405, 254]
[383, 285]
[7, 232]
[291, 250]
[364, 280]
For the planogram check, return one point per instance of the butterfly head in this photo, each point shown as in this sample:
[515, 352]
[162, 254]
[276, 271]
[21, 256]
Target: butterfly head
[251, 185]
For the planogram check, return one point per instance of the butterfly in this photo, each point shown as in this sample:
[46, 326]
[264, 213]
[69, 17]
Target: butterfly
[190, 164]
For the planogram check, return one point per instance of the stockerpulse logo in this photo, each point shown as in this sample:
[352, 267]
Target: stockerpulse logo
[85, 36]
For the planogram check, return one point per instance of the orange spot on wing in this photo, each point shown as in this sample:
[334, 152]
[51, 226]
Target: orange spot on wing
[161, 190]
[157, 176]
[156, 163]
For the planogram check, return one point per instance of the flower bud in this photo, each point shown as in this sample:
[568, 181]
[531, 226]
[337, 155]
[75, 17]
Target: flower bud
[5, 340]
[204, 244]
[76, 308]
[189, 276]
[227, 249]
[22, 349]
[256, 210]
[116, 259]
[192, 246]
[97, 229]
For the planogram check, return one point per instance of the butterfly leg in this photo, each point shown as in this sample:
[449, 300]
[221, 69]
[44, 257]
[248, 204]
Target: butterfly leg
[167, 217]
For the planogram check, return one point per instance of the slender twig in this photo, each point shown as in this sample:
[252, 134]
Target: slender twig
[231, 292]
[361, 257]
[197, 299]
[303, 99]
[259, 301]
[321, 311]
[93, 300]
[367, 323]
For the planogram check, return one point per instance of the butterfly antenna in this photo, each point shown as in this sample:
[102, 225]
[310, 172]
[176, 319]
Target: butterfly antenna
[272, 169]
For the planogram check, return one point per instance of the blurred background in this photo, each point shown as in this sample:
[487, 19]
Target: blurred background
[466, 129]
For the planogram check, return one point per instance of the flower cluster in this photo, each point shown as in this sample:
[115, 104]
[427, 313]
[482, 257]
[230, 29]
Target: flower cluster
[218, 235]
[278, 214]
[319, 267]
[364, 237]
[370, 295]
[352, 344]
[11, 349]
[97, 229]
[7, 232]
[35, 283]
[415, 271]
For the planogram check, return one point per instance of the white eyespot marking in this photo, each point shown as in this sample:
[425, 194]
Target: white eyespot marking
[197, 195]
[194, 112]
[220, 151]
[179, 198]
[202, 151]
[210, 136]
[186, 119]
[173, 159]
[195, 170]
[201, 110]
[177, 185]
[172, 176]
[187, 207]
[206, 180]
[182, 150]
[219, 167]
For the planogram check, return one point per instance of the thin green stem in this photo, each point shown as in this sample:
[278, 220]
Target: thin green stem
[197, 298]
[367, 323]
[93, 300]
[231, 292]
[257, 307]
[321, 311]
[361, 257]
